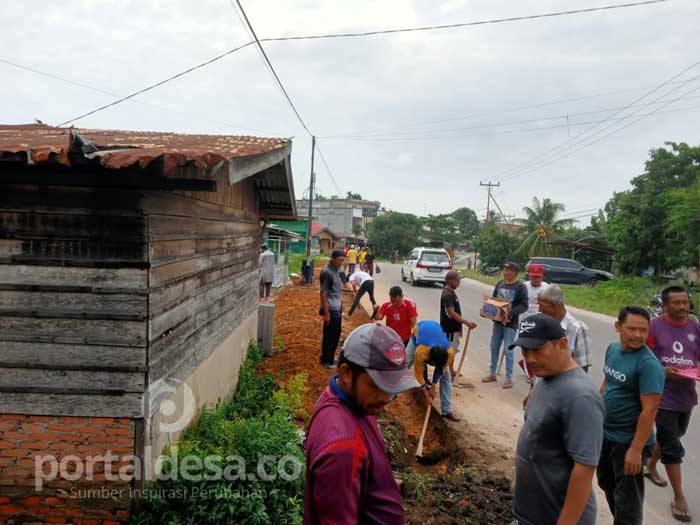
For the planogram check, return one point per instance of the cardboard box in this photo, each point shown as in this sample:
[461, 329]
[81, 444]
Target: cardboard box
[494, 308]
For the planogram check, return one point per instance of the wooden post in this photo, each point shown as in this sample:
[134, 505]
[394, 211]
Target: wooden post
[266, 327]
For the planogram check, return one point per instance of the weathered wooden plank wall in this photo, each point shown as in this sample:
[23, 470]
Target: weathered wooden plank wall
[203, 277]
[73, 301]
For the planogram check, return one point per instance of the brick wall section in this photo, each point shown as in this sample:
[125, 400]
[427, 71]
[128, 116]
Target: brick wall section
[23, 438]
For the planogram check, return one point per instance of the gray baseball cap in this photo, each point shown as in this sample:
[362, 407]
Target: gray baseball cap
[380, 351]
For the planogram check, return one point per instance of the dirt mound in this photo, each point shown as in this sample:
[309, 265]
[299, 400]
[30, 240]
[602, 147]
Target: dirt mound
[447, 492]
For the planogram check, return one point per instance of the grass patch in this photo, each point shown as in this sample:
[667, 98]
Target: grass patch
[295, 260]
[605, 298]
[235, 438]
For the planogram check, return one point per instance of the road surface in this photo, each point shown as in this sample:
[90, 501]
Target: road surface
[499, 401]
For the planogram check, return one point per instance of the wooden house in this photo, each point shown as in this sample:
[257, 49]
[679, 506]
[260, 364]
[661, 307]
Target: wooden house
[128, 270]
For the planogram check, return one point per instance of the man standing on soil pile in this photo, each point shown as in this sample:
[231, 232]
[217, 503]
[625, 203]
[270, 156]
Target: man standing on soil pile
[451, 319]
[429, 346]
[560, 442]
[331, 308]
[401, 314]
[634, 382]
[675, 340]
[349, 479]
[504, 331]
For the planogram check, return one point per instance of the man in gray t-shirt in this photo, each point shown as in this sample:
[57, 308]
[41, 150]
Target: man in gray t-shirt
[560, 442]
[331, 308]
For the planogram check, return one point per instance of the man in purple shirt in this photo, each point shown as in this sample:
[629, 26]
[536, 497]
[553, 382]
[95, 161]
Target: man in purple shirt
[675, 339]
[349, 479]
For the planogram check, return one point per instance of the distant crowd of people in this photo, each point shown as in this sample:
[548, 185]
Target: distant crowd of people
[573, 430]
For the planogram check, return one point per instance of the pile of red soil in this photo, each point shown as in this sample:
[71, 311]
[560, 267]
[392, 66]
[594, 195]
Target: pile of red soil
[444, 493]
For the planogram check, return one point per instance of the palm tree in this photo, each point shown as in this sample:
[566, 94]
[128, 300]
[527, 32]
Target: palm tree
[541, 226]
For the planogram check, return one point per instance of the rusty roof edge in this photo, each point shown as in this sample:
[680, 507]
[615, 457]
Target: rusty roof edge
[240, 168]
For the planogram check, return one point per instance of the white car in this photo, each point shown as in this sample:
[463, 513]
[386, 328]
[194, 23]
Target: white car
[426, 265]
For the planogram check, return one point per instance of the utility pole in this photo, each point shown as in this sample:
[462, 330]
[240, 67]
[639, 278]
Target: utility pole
[489, 185]
[311, 200]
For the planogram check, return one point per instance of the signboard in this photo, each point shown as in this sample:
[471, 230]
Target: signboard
[357, 213]
[369, 212]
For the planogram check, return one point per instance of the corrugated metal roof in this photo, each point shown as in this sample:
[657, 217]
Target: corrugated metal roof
[118, 149]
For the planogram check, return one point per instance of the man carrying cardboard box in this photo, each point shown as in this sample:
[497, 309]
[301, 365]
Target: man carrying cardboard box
[504, 330]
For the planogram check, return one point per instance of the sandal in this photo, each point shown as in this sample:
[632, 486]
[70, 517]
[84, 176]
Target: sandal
[656, 480]
[679, 514]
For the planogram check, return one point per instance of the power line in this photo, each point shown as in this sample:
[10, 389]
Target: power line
[432, 132]
[157, 84]
[328, 169]
[534, 160]
[467, 24]
[272, 69]
[613, 132]
[453, 134]
[373, 133]
[143, 102]
[358, 34]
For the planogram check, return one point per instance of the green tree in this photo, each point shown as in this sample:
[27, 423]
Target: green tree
[353, 196]
[468, 222]
[442, 227]
[683, 221]
[495, 248]
[541, 226]
[396, 231]
[640, 220]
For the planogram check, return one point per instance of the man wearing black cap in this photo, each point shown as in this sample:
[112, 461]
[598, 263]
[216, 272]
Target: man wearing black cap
[331, 308]
[560, 442]
[348, 475]
[504, 331]
[451, 319]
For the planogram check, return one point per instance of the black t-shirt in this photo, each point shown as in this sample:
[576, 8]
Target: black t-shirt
[369, 258]
[449, 299]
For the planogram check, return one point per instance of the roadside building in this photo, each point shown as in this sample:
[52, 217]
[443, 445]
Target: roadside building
[348, 216]
[129, 275]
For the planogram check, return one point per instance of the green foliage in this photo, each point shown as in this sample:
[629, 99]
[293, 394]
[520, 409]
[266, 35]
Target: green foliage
[353, 196]
[240, 432]
[495, 248]
[394, 231]
[295, 260]
[609, 296]
[540, 227]
[467, 221]
[293, 395]
[642, 224]
[683, 221]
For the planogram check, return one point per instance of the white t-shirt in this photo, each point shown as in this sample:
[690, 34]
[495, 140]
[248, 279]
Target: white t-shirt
[532, 294]
[359, 278]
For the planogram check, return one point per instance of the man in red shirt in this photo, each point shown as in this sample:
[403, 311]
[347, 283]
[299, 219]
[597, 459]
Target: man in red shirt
[401, 314]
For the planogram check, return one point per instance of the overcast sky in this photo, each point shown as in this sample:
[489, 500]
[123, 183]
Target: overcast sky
[376, 99]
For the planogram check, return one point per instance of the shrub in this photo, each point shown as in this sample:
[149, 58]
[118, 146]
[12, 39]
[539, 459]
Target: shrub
[258, 422]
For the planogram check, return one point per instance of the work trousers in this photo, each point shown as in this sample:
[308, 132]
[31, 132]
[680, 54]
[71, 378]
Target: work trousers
[331, 337]
[625, 494]
[366, 288]
[502, 335]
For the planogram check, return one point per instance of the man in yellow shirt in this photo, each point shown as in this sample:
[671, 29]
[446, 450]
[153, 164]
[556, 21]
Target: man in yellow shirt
[429, 346]
[351, 258]
[361, 258]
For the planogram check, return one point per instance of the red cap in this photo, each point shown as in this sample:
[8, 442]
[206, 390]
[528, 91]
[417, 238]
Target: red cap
[536, 269]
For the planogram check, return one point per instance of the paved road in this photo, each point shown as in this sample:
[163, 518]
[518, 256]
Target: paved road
[602, 328]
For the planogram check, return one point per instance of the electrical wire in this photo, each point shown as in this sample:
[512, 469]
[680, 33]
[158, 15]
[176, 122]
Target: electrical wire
[157, 84]
[272, 69]
[468, 24]
[613, 132]
[358, 34]
[328, 169]
[564, 144]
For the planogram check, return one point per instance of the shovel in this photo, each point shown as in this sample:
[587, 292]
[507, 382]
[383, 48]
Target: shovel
[461, 362]
[419, 451]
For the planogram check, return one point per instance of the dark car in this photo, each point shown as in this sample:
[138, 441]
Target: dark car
[568, 271]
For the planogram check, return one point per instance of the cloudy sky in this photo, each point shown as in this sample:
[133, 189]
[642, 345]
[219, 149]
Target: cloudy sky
[414, 120]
